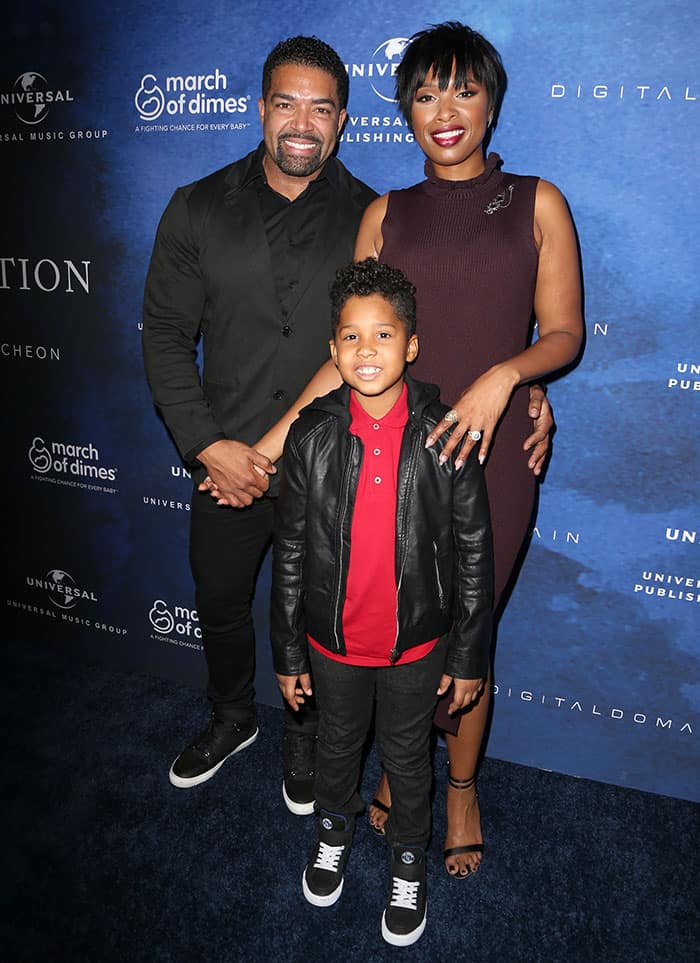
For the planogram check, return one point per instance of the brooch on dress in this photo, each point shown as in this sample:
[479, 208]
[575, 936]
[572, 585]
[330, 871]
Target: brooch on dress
[500, 201]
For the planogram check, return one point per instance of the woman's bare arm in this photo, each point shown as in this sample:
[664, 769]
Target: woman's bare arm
[369, 235]
[325, 380]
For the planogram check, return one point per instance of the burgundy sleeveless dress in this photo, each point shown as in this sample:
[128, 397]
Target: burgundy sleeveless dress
[468, 247]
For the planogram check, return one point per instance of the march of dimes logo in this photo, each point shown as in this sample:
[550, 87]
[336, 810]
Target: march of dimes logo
[74, 465]
[175, 624]
[194, 102]
[378, 72]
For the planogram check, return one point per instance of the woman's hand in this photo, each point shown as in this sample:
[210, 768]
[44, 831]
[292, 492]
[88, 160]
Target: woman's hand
[466, 691]
[478, 411]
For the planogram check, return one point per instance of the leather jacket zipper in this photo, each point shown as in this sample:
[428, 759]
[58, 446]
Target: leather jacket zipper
[410, 477]
[394, 654]
[343, 512]
[441, 594]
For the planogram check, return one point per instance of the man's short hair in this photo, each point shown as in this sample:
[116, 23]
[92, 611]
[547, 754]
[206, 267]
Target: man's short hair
[307, 52]
[444, 48]
[367, 277]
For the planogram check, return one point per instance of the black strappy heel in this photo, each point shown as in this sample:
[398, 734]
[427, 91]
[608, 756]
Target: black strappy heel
[385, 809]
[472, 847]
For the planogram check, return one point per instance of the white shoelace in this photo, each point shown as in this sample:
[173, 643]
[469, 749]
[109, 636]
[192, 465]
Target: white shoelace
[404, 894]
[328, 857]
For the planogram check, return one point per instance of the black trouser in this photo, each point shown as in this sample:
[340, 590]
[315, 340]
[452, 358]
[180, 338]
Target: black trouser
[227, 546]
[405, 698]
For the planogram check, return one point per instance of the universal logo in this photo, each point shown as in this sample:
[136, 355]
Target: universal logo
[184, 622]
[686, 536]
[32, 97]
[667, 585]
[195, 95]
[79, 461]
[685, 378]
[61, 588]
[380, 71]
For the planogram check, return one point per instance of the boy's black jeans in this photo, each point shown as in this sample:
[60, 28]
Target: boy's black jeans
[405, 698]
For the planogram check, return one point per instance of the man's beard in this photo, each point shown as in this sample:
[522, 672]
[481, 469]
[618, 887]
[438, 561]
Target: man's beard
[298, 166]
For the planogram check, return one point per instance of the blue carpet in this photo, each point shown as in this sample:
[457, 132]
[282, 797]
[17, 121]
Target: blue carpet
[105, 861]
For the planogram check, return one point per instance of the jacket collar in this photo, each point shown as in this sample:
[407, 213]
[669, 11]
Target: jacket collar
[337, 402]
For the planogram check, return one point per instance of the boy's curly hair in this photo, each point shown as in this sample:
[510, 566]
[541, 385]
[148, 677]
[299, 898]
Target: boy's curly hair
[367, 277]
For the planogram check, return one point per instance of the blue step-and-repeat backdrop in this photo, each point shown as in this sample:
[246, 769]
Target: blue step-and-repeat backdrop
[105, 109]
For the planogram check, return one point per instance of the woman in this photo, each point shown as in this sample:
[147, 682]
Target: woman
[487, 252]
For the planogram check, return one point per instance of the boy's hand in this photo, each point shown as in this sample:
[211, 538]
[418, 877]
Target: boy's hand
[294, 688]
[465, 692]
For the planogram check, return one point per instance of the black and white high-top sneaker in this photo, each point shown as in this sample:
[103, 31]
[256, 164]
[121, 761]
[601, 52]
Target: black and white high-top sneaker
[299, 765]
[322, 881]
[406, 911]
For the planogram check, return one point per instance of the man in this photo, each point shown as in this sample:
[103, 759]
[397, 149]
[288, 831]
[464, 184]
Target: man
[246, 257]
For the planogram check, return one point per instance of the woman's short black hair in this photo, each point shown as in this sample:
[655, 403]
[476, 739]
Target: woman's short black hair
[444, 48]
[367, 277]
[307, 52]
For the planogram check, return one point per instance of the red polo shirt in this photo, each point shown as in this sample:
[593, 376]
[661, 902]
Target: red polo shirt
[369, 613]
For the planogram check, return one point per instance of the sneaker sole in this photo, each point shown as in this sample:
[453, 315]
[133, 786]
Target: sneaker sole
[403, 939]
[182, 782]
[299, 809]
[316, 900]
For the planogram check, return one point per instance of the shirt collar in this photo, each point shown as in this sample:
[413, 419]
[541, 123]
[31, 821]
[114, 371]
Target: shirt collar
[396, 417]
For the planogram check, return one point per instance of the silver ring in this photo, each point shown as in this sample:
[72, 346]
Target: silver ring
[452, 417]
[474, 434]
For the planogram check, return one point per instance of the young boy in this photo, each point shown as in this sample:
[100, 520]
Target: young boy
[381, 589]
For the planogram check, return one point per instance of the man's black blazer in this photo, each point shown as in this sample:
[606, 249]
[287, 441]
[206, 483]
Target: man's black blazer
[210, 273]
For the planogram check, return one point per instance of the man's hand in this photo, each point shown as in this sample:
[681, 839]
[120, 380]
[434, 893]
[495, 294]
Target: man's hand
[465, 692]
[537, 443]
[238, 473]
[294, 688]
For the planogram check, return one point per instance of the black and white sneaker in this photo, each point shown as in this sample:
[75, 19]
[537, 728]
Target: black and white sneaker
[299, 765]
[406, 912]
[206, 755]
[322, 881]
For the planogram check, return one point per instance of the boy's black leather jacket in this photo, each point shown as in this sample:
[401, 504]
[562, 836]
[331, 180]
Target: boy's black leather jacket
[444, 557]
